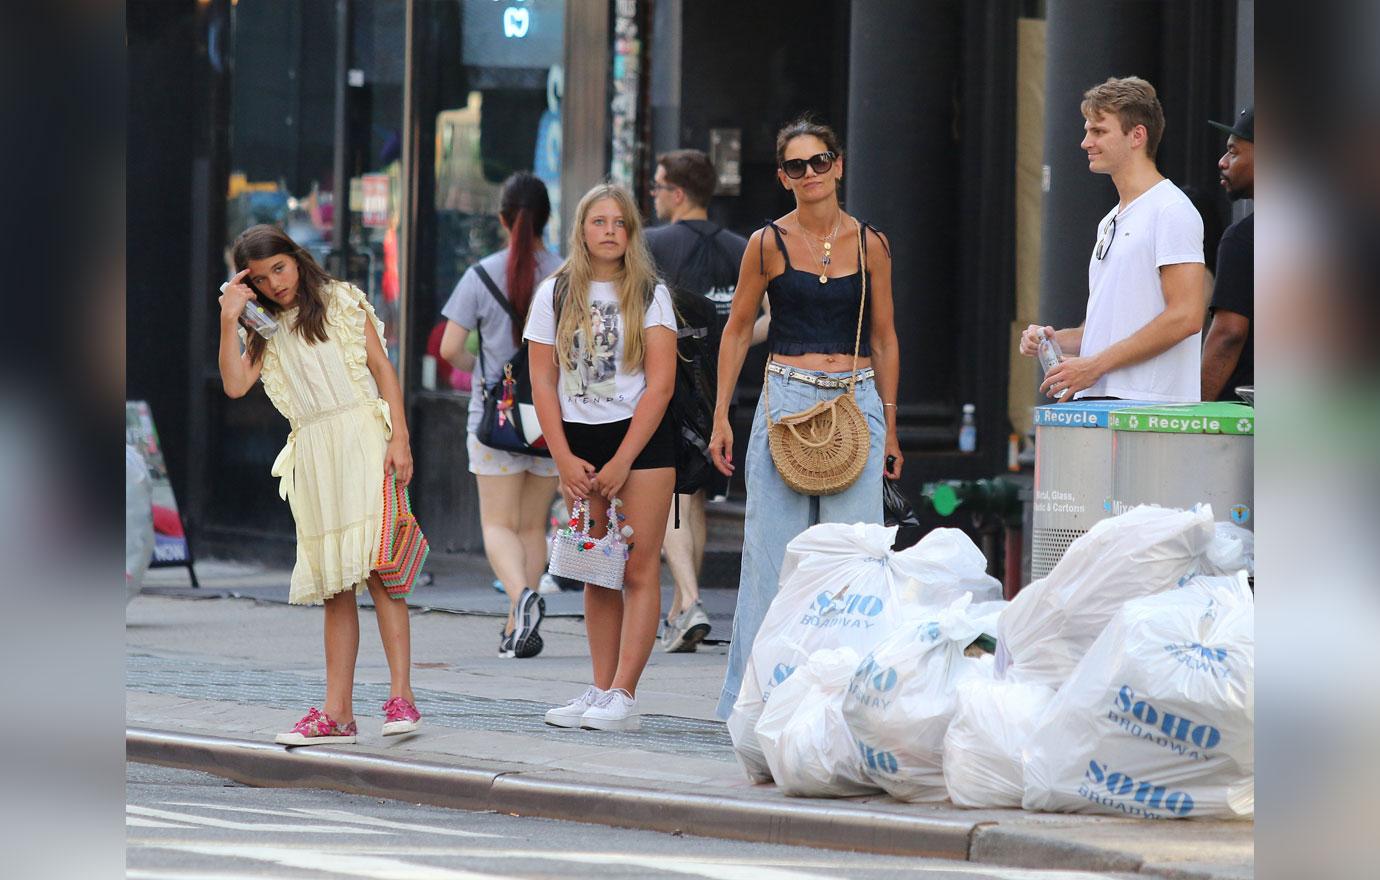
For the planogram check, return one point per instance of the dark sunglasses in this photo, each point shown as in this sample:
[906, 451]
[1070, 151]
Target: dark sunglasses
[820, 162]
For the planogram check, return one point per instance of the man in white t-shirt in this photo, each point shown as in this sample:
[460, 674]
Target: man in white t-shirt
[1140, 339]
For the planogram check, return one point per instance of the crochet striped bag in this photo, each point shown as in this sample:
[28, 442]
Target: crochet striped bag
[402, 546]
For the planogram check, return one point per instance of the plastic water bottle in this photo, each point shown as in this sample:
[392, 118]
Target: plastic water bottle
[967, 430]
[1049, 352]
[255, 319]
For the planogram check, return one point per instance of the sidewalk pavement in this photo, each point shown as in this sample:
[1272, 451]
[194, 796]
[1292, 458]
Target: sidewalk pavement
[208, 684]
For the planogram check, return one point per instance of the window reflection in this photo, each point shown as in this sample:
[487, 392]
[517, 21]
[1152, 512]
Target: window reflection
[510, 121]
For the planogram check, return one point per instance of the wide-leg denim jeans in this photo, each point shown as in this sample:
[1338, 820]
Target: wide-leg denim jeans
[776, 513]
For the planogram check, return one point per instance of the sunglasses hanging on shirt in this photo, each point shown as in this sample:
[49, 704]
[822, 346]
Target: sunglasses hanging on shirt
[1104, 243]
[820, 163]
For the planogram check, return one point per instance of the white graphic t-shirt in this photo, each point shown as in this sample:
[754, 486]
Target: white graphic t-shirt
[598, 390]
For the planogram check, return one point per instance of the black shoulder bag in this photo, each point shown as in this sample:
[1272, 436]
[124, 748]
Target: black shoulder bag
[510, 421]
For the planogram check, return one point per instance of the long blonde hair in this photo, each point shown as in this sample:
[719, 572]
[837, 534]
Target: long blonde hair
[635, 282]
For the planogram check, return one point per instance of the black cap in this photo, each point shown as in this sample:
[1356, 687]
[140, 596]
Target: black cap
[1244, 128]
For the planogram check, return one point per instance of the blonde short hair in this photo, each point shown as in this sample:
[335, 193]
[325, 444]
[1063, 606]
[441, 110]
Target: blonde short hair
[1133, 101]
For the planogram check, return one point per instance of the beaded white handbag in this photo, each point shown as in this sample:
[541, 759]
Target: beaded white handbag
[598, 561]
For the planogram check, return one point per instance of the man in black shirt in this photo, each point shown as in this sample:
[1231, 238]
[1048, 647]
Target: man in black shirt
[1229, 349]
[699, 261]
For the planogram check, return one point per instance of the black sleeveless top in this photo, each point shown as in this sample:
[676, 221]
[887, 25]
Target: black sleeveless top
[808, 317]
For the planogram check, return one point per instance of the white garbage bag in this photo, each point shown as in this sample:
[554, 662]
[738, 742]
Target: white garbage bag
[982, 749]
[944, 565]
[1232, 549]
[842, 586]
[986, 616]
[1050, 624]
[902, 696]
[1158, 719]
[804, 738]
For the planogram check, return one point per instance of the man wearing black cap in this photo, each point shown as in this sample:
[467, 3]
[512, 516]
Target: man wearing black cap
[1229, 350]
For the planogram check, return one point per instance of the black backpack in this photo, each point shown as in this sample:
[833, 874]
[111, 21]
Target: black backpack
[708, 273]
[692, 403]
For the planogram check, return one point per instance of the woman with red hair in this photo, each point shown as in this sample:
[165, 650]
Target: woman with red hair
[515, 491]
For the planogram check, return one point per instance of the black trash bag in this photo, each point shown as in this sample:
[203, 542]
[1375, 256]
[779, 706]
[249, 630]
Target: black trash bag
[897, 512]
[896, 508]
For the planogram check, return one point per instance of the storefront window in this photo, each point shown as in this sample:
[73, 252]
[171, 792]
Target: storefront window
[283, 142]
[374, 127]
[509, 120]
[283, 136]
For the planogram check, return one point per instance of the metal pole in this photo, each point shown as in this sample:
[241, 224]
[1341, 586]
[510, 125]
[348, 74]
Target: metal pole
[405, 193]
[340, 207]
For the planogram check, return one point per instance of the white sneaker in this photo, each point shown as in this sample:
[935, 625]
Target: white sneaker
[615, 710]
[685, 631]
[570, 714]
[547, 585]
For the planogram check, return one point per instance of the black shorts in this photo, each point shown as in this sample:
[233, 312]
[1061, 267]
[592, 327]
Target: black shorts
[597, 444]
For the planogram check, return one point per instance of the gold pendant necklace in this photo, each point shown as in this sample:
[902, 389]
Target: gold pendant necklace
[828, 243]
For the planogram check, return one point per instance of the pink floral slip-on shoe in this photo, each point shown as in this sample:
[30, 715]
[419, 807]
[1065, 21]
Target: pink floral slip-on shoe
[401, 717]
[317, 728]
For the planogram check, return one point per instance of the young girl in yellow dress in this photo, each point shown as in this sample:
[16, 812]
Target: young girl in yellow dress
[327, 372]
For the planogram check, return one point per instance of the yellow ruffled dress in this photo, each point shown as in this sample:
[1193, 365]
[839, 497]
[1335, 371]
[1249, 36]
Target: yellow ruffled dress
[331, 468]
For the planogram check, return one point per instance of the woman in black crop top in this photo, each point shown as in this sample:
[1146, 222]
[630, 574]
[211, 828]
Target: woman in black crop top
[808, 263]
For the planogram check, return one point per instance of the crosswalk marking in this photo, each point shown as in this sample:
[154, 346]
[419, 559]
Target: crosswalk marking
[136, 822]
[150, 812]
[330, 862]
[751, 868]
[392, 862]
[338, 815]
[380, 861]
[184, 874]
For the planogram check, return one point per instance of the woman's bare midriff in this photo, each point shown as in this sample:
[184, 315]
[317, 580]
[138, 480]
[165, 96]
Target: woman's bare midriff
[825, 363]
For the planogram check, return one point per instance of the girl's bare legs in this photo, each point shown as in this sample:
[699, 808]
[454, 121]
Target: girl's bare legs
[342, 649]
[603, 611]
[500, 507]
[537, 493]
[646, 500]
[684, 551]
[395, 631]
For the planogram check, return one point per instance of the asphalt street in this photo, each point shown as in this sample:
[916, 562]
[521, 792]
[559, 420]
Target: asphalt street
[185, 825]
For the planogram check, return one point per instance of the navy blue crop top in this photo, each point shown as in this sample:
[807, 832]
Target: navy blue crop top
[808, 317]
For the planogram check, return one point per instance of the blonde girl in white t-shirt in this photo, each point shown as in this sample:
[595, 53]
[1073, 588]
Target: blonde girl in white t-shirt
[603, 359]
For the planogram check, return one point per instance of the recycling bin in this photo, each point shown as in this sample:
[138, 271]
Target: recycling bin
[1180, 455]
[1073, 475]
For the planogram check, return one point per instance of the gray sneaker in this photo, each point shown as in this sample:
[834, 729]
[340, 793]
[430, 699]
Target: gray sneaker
[683, 633]
[527, 618]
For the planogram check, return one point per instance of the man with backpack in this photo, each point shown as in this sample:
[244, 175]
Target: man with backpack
[699, 262]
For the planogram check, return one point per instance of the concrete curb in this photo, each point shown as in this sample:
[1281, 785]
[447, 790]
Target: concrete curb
[994, 845]
[840, 827]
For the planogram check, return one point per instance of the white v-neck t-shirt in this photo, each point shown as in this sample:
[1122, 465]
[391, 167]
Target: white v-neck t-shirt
[1160, 228]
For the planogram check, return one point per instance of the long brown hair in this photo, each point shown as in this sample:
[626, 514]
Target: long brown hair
[634, 282]
[525, 207]
[264, 241]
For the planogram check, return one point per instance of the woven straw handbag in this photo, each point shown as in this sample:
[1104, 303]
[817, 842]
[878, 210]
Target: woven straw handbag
[403, 548]
[597, 561]
[822, 450]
